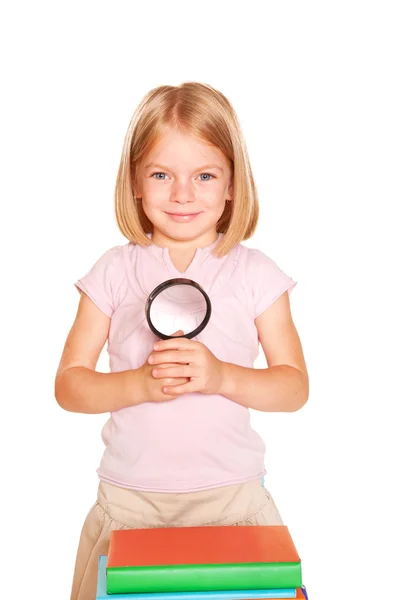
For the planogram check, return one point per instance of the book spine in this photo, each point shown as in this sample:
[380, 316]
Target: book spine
[203, 578]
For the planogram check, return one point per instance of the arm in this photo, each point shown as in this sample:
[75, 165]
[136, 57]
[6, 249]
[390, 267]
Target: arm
[78, 387]
[283, 386]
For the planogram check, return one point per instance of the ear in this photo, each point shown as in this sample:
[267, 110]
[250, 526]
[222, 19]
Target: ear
[136, 191]
[230, 191]
[136, 181]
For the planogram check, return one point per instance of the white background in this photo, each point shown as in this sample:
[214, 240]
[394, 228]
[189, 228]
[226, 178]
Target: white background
[316, 89]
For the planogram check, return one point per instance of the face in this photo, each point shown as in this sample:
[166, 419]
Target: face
[183, 184]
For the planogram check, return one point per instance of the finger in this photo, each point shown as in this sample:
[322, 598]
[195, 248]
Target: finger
[166, 397]
[178, 333]
[176, 343]
[169, 381]
[166, 365]
[187, 388]
[181, 371]
[169, 384]
[171, 356]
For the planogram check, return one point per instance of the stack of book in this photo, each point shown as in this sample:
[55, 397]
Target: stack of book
[201, 563]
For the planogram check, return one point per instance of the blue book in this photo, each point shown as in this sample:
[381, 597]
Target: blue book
[229, 595]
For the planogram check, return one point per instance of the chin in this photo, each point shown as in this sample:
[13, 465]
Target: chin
[183, 232]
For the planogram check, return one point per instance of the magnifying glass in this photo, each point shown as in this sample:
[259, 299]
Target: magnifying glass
[178, 304]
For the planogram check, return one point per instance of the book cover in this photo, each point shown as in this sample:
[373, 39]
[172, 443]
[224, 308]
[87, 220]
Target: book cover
[200, 559]
[225, 595]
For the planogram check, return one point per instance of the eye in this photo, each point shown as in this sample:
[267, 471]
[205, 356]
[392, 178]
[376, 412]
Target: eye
[207, 177]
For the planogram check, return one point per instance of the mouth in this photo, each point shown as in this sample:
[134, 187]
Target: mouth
[178, 214]
[182, 217]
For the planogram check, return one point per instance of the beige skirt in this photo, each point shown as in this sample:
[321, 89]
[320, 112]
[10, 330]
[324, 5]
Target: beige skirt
[120, 508]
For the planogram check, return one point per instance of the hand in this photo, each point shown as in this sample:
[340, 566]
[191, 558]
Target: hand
[196, 362]
[153, 388]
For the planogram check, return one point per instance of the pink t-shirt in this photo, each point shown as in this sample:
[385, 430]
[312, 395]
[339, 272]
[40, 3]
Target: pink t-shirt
[197, 441]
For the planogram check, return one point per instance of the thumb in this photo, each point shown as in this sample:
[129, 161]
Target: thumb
[178, 333]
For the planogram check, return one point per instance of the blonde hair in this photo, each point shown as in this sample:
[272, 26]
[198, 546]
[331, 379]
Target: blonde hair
[204, 112]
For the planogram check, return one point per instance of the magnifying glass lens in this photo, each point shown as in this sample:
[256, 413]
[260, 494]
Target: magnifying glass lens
[178, 304]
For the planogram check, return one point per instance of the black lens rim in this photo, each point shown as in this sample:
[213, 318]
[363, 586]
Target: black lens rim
[170, 283]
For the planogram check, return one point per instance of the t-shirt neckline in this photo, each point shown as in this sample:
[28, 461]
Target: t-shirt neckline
[163, 253]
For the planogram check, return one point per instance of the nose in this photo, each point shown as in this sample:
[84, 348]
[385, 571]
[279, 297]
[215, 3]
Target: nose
[182, 192]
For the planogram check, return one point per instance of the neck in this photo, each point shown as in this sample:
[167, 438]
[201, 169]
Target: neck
[184, 245]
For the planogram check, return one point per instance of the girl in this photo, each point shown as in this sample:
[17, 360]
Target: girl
[180, 450]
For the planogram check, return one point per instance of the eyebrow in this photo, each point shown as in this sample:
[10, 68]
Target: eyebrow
[164, 168]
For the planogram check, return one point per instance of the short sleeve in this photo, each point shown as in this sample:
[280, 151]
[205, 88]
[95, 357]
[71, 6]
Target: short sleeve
[101, 283]
[267, 280]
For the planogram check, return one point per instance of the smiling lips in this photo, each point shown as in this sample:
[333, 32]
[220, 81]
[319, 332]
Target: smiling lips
[182, 217]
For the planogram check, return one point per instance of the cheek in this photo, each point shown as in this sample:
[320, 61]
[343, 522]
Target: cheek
[152, 207]
[154, 195]
[214, 195]
[214, 200]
